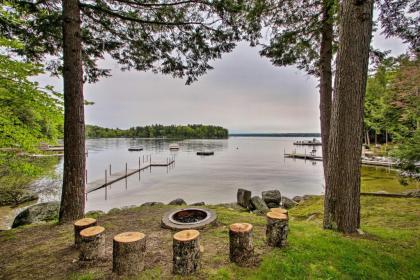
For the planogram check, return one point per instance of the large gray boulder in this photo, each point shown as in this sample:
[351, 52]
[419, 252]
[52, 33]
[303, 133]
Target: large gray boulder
[259, 205]
[37, 213]
[244, 198]
[178, 201]
[272, 198]
[288, 203]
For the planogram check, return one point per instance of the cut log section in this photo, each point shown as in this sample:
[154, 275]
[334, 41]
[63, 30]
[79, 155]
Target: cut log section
[279, 210]
[80, 225]
[186, 252]
[128, 253]
[241, 248]
[277, 229]
[92, 245]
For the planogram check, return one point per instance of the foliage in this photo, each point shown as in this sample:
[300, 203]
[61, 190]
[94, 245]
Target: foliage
[17, 172]
[28, 114]
[170, 37]
[392, 104]
[156, 131]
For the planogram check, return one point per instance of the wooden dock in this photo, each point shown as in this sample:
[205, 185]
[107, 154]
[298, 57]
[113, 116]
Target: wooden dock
[120, 175]
[317, 158]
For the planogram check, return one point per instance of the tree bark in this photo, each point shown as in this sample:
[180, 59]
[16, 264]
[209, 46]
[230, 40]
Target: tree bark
[325, 79]
[277, 229]
[241, 248]
[80, 225]
[92, 245]
[72, 197]
[342, 197]
[128, 253]
[186, 252]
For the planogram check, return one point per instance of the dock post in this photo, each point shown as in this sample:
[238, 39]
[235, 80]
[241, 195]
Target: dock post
[109, 169]
[126, 169]
[106, 187]
[139, 164]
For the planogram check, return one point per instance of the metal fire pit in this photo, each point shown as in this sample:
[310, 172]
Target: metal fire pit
[188, 218]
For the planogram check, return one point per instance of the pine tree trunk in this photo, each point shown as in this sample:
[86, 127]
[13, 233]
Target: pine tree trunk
[72, 197]
[325, 87]
[342, 198]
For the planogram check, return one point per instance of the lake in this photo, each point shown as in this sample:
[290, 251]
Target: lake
[254, 163]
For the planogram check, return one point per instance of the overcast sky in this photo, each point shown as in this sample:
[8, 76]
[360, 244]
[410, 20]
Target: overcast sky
[244, 93]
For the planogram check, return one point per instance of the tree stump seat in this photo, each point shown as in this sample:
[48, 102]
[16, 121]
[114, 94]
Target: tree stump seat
[277, 229]
[92, 245]
[186, 252]
[128, 253]
[80, 225]
[279, 210]
[241, 248]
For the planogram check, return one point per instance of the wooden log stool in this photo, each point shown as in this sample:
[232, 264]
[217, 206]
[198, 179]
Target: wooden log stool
[92, 244]
[186, 250]
[277, 229]
[241, 248]
[80, 225]
[128, 253]
[279, 210]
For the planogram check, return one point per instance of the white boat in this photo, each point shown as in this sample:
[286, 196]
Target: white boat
[135, 148]
[173, 146]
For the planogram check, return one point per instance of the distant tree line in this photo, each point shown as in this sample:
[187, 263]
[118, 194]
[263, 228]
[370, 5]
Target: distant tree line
[158, 131]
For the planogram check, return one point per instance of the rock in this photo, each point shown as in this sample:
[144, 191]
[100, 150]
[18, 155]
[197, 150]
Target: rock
[272, 197]
[198, 204]
[272, 205]
[414, 193]
[153, 203]
[288, 203]
[37, 213]
[244, 198]
[28, 197]
[178, 201]
[298, 199]
[259, 204]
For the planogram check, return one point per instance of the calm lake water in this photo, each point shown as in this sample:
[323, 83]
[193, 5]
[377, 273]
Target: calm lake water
[256, 164]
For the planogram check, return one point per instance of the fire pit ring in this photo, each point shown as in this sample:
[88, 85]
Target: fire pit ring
[188, 218]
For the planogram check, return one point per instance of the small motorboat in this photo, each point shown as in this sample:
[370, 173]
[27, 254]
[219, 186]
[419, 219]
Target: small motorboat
[173, 146]
[205, 153]
[135, 148]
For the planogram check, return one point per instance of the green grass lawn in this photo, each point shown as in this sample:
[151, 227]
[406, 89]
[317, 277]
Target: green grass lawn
[389, 249]
[383, 179]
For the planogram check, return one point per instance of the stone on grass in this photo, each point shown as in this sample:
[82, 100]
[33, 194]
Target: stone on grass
[153, 203]
[178, 201]
[272, 198]
[288, 203]
[259, 205]
[297, 199]
[244, 198]
[37, 213]
[198, 204]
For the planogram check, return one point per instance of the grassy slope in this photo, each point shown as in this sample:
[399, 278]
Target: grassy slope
[389, 250]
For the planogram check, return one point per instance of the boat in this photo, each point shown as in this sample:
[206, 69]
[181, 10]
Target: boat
[173, 146]
[313, 142]
[135, 148]
[205, 153]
